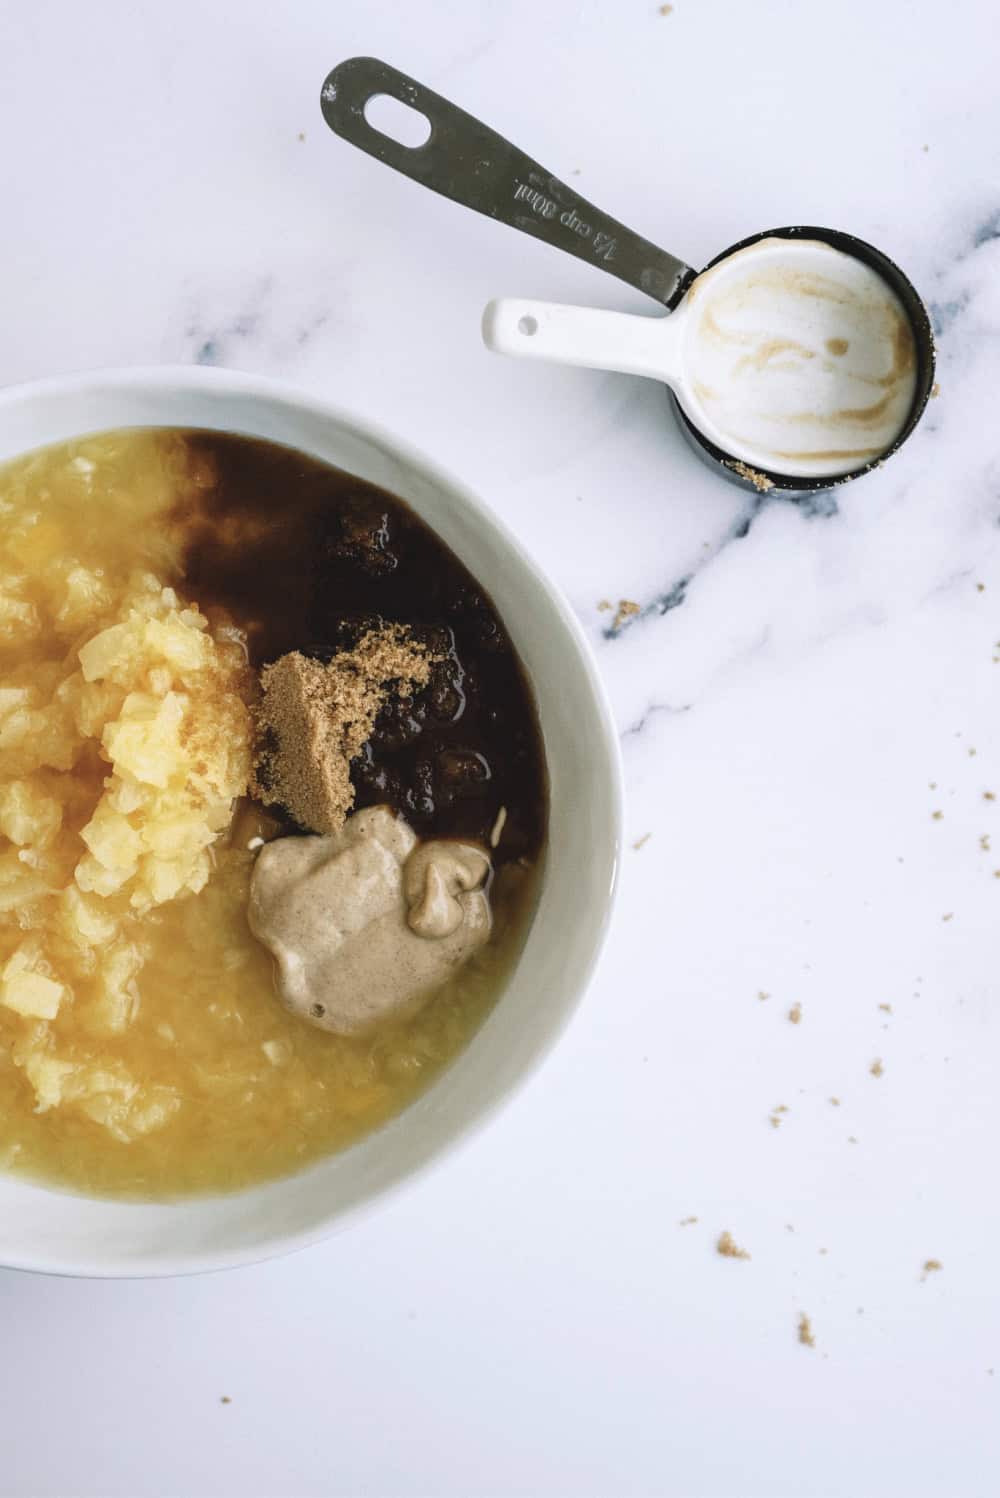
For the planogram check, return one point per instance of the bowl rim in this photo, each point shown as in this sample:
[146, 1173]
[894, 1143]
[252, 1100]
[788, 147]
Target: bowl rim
[193, 378]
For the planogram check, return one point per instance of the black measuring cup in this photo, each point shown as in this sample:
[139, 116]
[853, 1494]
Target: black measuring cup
[464, 160]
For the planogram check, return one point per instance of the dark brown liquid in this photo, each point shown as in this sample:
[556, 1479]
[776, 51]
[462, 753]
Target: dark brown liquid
[303, 556]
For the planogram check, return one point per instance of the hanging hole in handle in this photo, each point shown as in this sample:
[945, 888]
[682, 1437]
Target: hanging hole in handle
[527, 325]
[401, 123]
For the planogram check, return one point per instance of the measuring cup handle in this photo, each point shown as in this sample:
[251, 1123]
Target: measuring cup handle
[464, 160]
[585, 336]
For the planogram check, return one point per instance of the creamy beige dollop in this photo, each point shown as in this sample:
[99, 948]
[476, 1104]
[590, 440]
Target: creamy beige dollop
[366, 922]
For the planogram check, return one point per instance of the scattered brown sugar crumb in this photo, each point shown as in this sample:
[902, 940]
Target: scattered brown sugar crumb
[795, 1014]
[989, 796]
[876, 1068]
[760, 481]
[886, 1008]
[687, 1222]
[949, 917]
[302, 135]
[728, 1248]
[936, 816]
[931, 1266]
[666, 10]
[313, 719]
[225, 1399]
[626, 609]
[762, 996]
[984, 842]
[641, 842]
[972, 753]
[835, 1102]
[806, 1336]
[774, 1117]
[604, 605]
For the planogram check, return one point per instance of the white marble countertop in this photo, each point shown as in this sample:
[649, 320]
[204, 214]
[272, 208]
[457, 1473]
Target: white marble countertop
[804, 688]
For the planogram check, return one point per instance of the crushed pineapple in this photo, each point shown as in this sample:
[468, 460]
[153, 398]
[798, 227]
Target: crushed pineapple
[122, 750]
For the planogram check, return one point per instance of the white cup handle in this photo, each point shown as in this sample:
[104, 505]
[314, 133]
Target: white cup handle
[585, 336]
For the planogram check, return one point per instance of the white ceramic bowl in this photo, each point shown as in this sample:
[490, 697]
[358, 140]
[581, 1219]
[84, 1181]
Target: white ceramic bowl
[59, 1233]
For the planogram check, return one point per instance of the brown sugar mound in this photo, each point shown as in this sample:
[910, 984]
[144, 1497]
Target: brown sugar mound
[313, 719]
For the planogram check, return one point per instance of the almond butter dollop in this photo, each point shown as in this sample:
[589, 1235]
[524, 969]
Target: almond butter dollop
[365, 923]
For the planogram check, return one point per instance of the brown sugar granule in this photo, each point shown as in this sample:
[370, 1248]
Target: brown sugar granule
[835, 1102]
[795, 1014]
[984, 842]
[806, 1336]
[760, 481]
[687, 1222]
[936, 816]
[989, 795]
[886, 1008]
[626, 609]
[642, 841]
[313, 719]
[876, 1068]
[728, 1248]
[225, 1399]
[762, 995]
[604, 606]
[932, 1266]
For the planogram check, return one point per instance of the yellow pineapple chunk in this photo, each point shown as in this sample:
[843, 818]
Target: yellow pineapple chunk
[112, 840]
[28, 817]
[85, 921]
[114, 1008]
[31, 994]
[19, 620]
[47, 1076]
[19, 883]
[85, 595]
[93, 703]
[95, 879]
[144, 742]
[186, 648]
[103, 655]
[13, 697]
